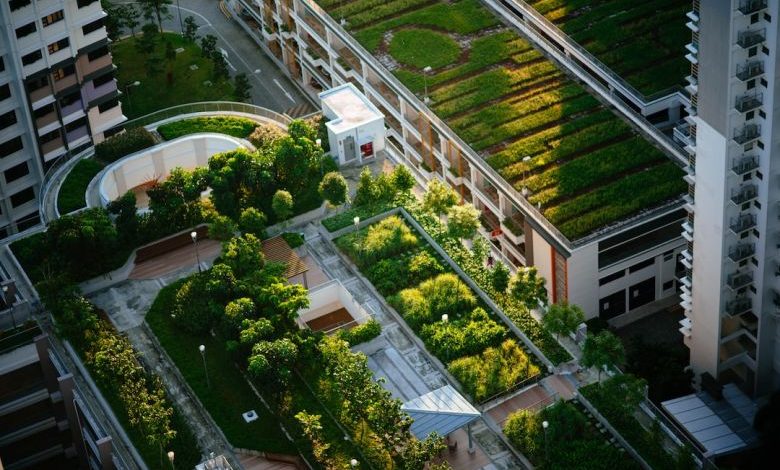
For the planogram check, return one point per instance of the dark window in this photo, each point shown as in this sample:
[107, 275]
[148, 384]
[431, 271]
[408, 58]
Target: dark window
[91, 27]
[760, 144]
[97, 53]
[2, 65]
[23, 196]
[750, 84]
[752, 51]
[66, 71]
[641, 265]
[32, 57]
[612, 305]
[612, 277]
[75, 125]
[110, 104]
[641, 293]
[762, 114]
[100, 81]
[749, 115]
[765, 50]
[28, 221]
[51, 19]
[759, 175]
[16, 172]
[767, 17]
[56, 46]
[668, 285]
[11, 146]
[43, 111]
[8, 119]
[764, 83]
[668, 255]
[5, 92]
[70, 99]
[25, 30]
[754, 18]
[84, 3]
[50, 136]
[17, 4]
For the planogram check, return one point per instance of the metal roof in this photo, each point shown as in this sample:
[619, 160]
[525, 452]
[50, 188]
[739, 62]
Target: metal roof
[704, 424]
[443, 410]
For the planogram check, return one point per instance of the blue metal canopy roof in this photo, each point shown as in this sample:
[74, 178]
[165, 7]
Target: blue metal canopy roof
[443, 410]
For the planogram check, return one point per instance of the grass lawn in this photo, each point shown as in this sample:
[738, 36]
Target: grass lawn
[507, 101]
[71, 196]
[155, 92]
[233, 126]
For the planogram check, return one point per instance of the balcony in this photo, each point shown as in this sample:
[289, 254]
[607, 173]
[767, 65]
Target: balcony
[745, 193]
[742, 223]
[744, 164]
[750, 38]
[741, 251]
[747, 7]
[52, 145]
[738, 280]
[77, 136]
[747, 133]
[46, 119]
[734, 350]
[40, 93]
[71, 108]
[87, 68]
[65, 82]
[739, 305]
[748, 101]
[750, 70]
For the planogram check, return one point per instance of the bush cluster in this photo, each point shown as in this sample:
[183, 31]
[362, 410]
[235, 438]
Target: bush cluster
[230, 125]
[361, 333]
[120, 145]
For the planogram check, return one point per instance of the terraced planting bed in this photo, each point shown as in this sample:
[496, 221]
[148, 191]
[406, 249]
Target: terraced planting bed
[643, 42]
[507, 101]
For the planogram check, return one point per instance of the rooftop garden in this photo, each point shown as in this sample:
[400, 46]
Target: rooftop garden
[643, 42]
[508, 102]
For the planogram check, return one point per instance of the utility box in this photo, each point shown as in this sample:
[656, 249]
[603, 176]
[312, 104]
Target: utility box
[356, 128]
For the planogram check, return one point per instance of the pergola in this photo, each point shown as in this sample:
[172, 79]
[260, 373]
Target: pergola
[277, 250]
[443, 411]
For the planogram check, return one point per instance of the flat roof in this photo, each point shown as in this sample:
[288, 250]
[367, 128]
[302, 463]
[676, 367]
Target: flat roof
[704, 424]
[352, 108]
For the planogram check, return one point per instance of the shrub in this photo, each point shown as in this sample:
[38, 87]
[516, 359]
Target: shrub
[293, 239]
[120, 145]
[222, 228]
[194, 310]
[266, 136]
[252, 221]
[522, 428]
[444, 294]
[361, 333]
[451, 340]
[230, 125]
[387, 238]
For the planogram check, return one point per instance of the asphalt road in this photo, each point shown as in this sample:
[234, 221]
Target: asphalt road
[270, 87]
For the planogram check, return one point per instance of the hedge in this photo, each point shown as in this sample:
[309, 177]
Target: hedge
[230, 125]
[71, 196]
[120, 145]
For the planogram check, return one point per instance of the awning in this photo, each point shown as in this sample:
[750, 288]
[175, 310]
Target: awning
[443, 410]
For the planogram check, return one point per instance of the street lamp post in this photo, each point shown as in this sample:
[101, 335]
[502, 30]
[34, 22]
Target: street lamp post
[319, 146]
[545, 425]
[194, 236]
[445, 319]
[426, 70]
[356, 221]
[127, 92]
[202, 349]
[526, 159]
[170, 458]
[9, 297]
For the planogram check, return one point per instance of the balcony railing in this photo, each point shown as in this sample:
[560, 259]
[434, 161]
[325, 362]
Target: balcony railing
[748, 102]
[750, 38]
[743, 222]
[750, 70]
[739, 306]
[738, 280]
[745, 164]
[747, 7]
[744, 194]
[741, 251]
[747, 133]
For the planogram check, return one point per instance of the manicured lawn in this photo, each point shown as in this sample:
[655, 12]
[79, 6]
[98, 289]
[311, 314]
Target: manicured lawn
[234, 126]
[155, 92]
[71, 196]
[508, 102]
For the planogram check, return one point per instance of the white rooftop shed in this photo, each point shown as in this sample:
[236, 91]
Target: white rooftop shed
[356, 128]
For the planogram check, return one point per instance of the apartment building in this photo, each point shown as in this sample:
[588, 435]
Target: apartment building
[731, 286]
[44, 422]
[627, 268]
[58, 95]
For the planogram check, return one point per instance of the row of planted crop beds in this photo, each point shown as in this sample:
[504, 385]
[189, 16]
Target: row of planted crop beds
[507, 101]
[476, 347]
[643, 42]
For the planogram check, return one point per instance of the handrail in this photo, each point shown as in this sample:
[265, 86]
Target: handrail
[202, 107]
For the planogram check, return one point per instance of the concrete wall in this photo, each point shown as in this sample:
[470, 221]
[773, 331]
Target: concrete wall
[328, 297]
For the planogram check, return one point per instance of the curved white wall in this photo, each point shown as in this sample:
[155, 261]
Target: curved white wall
[188, 152]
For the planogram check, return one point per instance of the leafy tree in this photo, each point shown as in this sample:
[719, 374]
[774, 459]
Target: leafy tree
[238, 179]
[222, 228]
[499, 277]
[273, 360]
[153, 66]
[562, 318]
[333, 188]
[190, 29]
[242, 88]
[604, 350]
[156, 10]
[170, 57]
[282, 204]
[463, 221]
[297, 158]
[252, 221]
[439, 197]
[367, 192]
[126, 221]
[195, 311]
[148, 41]
[419, 453]
[208, 45]
[113, 20]
[312, 429]
[244, 255]
[220, 66]
[403, 180]
[175, 202]
[527, 287]
[84, 242]
[253, 331]
[129, 16]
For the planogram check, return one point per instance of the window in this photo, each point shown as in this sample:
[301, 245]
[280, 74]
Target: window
[642, 265]
[762, 114]
[50, 136]
[16, 172]
[751, 84]
[70, 99]
[2, 65]
[668, 256]
[61, 44]
[110, 104]
[754, 18]
[43, 111]
[752, 51]
[612, 277]
[765, 50]
[7, 120]
[23, 196]
[91, 27]
[17, 4]
[32, 57]
[767, 17]
[11, 146]
[53, 18]
[67, 71]
[84, 3]
[760, 144]
[97, 53]
[5, 92]
[764, 83]
[749, 115]
[25, 30]
[759, 175]
[102, 80]
[668, 285]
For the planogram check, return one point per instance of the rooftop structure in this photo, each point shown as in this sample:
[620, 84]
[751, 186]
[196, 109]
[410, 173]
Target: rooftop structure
[354, 123]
